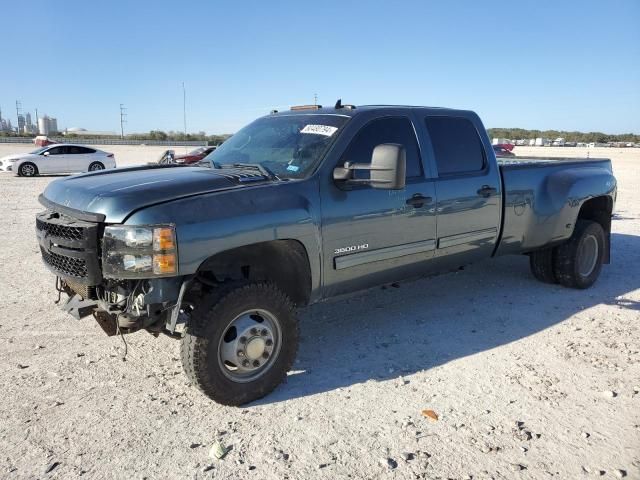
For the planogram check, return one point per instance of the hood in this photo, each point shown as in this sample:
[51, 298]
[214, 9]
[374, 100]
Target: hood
[17, 156]
[115, 194]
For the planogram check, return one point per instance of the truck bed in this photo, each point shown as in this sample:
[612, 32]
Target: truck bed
[518, 162]
[541, 198]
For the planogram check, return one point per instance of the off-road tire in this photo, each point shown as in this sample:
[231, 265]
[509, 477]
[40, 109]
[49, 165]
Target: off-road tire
[566, 261]
[541, 264]
[25, 174]
[199, 344]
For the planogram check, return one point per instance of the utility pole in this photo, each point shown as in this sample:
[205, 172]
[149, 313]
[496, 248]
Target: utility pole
[184, 108]
[184, 113]
[315, 99]
[123, 120]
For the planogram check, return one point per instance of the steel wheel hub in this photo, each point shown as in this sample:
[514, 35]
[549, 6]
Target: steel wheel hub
[249, 345]
[588, 255]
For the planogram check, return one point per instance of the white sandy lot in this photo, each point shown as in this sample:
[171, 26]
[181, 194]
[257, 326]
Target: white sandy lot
[529, 380]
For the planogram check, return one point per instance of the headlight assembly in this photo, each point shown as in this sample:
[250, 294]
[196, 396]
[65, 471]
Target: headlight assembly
[139, 251]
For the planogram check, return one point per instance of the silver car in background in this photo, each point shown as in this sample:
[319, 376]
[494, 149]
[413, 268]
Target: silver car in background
[58, 158]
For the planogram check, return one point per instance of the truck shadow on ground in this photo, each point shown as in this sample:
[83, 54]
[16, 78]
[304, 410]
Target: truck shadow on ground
[388, 332]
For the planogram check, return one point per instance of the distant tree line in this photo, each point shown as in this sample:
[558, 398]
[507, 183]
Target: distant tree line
[179, 136]
[586, 137]
[152, 135]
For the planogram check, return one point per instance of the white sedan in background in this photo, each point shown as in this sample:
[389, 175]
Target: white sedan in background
[59, 158]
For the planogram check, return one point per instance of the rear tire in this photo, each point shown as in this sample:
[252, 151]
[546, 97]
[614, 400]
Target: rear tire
[96, 166]
[541, 263]
[28, 170]
[232, 360]
[578, 262]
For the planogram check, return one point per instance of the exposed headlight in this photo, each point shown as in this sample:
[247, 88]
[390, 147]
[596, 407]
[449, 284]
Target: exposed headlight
[139, 251]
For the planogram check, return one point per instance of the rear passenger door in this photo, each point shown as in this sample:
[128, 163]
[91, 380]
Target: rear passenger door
[468, 188]
[79, 158]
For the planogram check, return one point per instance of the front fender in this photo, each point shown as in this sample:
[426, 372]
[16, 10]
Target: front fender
[212, 223]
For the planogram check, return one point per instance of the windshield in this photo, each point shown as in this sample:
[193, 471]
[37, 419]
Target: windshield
[196, 151]
[39, 151]
[289, 146]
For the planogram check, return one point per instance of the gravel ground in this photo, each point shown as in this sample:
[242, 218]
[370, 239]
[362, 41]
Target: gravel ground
[528, 380]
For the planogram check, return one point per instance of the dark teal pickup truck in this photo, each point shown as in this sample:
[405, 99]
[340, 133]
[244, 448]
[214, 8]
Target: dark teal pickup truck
[304, 205]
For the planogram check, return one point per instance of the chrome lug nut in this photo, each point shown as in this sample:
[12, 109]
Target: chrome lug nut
[256, 363]
[264, 332]
[265, 355]
[240, 353]
[245, 363]
[269, 342]
[243, 339]
[254, 331]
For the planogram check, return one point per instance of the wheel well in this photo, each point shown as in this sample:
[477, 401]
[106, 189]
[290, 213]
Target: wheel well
[599, 210]
[283, 262]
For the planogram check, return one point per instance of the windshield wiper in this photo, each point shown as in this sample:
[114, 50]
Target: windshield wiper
[265, 171]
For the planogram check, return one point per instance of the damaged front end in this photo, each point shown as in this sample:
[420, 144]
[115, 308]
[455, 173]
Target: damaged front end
[126, 306]
[103, 271]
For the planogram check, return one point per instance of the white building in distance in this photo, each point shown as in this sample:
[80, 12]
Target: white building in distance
[47, 125]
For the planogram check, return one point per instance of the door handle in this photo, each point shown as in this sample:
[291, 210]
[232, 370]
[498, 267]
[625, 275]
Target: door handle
[418, 200]
[486, 191]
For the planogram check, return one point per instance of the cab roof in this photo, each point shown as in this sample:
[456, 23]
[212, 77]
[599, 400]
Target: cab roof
[353, 110]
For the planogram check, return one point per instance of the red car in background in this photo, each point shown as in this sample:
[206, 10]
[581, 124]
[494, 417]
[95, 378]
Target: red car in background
[195, 155]
[507, 146]
[502, 151]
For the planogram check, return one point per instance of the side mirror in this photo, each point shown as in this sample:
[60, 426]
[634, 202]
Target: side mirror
[387, 168]
[46, 154]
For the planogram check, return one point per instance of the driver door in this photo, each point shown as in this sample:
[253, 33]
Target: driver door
[55, 161]
[374, 236]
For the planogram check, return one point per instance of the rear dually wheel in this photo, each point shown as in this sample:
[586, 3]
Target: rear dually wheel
[578, 262]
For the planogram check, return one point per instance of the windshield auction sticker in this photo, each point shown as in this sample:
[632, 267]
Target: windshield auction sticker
[325, 130]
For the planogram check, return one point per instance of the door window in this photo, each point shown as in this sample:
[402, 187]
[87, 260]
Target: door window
[456, 145]
[77, 150]
[57, 150]
[385, 130]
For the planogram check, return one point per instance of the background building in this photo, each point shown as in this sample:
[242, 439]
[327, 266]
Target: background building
[21, 124]
[47, 125]
[29, 126]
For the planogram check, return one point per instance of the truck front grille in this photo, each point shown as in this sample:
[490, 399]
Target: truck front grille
[61, 231]
[73, 267]
[69, 247]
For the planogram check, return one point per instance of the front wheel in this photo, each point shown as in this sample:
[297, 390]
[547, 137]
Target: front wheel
[238, 346]
[28, 170]
[578, 262]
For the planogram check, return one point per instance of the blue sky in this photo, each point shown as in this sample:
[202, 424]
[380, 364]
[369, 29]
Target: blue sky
[533, 64]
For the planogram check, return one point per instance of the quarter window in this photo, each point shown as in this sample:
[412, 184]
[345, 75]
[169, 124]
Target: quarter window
[456, 145]
[385, 130]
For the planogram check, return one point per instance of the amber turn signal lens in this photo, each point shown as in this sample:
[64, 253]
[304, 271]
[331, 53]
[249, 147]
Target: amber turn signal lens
[164, 263]
[163, 239]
